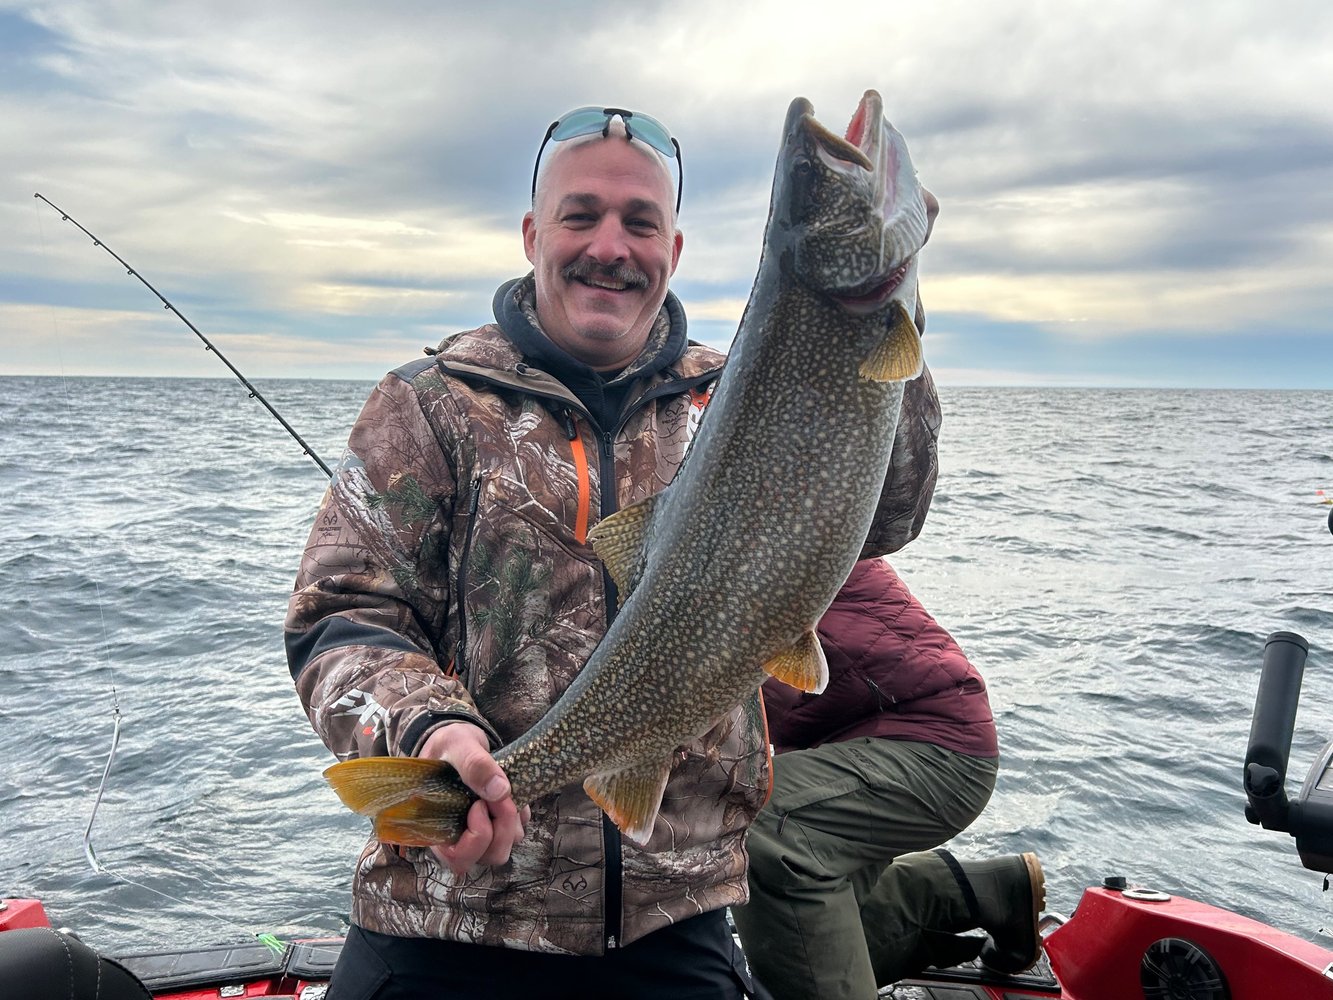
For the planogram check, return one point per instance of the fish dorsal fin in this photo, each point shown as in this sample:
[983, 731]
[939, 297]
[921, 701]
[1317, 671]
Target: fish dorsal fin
[631, 797]
[368, 785]
[802, 664]
[898, 356]
[620, 541]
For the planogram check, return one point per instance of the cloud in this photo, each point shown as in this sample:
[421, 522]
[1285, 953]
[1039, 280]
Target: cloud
[321, 171]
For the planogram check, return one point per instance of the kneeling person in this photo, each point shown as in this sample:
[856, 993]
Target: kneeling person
[896, 756]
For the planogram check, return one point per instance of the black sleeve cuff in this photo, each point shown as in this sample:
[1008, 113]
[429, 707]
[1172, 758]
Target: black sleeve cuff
[409, 744]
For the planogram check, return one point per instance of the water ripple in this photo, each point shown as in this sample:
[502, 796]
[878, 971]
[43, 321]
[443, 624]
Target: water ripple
[1111, 559]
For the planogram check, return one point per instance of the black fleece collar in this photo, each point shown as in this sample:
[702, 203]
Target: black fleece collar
[516, 314]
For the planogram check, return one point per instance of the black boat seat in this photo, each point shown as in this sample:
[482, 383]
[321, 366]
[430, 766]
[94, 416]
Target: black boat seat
[39, 963]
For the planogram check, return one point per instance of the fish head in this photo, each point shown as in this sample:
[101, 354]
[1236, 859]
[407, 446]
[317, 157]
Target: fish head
[848, 213]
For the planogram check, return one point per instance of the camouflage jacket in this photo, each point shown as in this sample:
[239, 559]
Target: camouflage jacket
[448, 577]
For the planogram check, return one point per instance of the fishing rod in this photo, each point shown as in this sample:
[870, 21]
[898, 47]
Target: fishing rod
[90, 854]
[208, 344]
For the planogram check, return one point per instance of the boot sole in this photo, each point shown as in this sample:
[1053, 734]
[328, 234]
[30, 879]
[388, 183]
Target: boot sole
[1013, 963]
[1037, 881]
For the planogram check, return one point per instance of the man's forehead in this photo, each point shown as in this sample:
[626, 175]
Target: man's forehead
[573, 164]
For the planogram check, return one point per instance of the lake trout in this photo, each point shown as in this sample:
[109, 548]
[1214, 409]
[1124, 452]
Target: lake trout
[724, 574]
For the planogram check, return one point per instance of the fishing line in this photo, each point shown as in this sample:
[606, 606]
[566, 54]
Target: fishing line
[208, 344]
[269, 940]
[100, 652]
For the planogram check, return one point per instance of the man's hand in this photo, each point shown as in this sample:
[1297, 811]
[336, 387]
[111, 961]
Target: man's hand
[494, 824]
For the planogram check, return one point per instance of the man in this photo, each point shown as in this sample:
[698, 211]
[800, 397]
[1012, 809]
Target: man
[447, 597]
[897, 755]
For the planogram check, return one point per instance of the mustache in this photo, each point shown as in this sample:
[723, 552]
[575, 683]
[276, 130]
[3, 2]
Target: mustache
[625, 274]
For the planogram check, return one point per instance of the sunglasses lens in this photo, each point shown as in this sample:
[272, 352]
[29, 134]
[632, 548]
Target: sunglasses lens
[653, 132]
[584, 121]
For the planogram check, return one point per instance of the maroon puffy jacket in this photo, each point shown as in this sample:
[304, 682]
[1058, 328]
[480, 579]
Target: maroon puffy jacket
[893, 672]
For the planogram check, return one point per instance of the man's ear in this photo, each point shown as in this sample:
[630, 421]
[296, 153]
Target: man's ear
[530, 238]
[677, 245]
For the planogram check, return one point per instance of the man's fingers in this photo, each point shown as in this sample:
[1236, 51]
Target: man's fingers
[494, 823]
[507, 830]
[467, 749]
[493, 828]
[480, 772]
[472, 844]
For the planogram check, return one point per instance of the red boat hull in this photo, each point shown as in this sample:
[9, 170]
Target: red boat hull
[1100, 953]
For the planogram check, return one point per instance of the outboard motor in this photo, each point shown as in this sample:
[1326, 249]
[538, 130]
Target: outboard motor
[1309, 819]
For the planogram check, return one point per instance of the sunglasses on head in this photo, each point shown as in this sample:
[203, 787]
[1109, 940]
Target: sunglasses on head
[586, 121]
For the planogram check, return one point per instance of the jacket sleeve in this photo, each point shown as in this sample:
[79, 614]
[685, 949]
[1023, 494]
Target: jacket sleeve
[909, 481]
[367, 620]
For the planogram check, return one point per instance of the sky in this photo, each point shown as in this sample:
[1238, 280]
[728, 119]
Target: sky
[1134, 194]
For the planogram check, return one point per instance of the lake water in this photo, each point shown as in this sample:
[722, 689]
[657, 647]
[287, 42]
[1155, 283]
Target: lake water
[1111, 560]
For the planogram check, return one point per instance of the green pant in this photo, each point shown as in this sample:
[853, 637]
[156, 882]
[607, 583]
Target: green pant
[839, 901]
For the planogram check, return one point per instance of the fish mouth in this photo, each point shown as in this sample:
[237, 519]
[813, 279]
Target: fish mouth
[852, 206]
[864, 134]
[859, 146]
[871, 295]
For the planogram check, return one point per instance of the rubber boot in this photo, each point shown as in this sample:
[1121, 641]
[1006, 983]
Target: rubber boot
[1008, 894]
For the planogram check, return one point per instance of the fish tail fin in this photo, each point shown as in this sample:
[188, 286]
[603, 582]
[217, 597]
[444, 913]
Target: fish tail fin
[415, 801]
[421, 822]
[369, 785]
[631, 797]
[802, 664]
[897, 357]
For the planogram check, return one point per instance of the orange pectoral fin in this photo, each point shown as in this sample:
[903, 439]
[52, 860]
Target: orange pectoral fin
[631, 797]
[802, 664]
[898, 356]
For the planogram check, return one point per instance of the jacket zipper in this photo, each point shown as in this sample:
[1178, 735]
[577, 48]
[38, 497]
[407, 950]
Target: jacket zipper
[879, 695]
[460, 651]
[611, 843]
